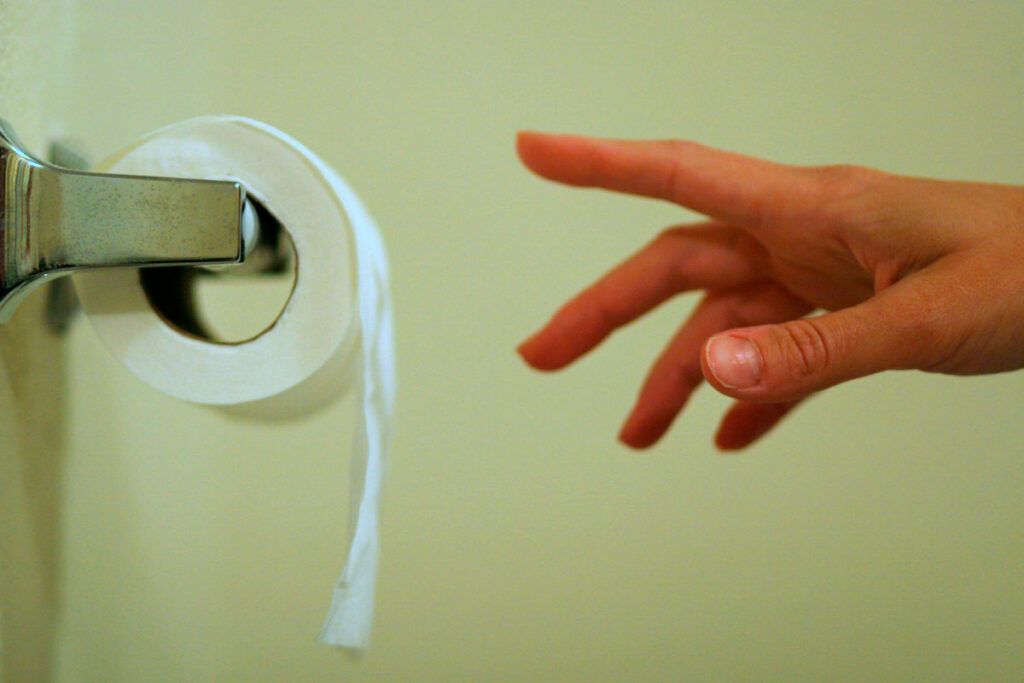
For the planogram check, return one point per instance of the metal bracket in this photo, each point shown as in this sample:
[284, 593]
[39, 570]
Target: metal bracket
[54, 221]
[61, 301]
[56, 218]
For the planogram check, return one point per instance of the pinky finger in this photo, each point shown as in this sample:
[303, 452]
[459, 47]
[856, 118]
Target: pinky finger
[746, 422]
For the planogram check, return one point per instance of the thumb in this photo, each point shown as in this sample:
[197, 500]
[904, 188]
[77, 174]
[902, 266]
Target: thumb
[788, 361]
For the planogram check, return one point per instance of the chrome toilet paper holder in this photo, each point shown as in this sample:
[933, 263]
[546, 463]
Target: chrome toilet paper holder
[57, 219]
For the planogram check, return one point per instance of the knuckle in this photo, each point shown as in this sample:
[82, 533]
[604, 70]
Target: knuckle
[679, 146]
[803, 347]
[607, 312]
[670, 236]
[845, 177]
[685, 377]
[849, 195]
[678, 150]
[672, 250]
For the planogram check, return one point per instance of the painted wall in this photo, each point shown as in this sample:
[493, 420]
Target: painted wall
[34, 68]
[875, 537]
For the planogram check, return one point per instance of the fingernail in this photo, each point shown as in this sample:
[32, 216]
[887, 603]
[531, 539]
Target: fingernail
[734, 361]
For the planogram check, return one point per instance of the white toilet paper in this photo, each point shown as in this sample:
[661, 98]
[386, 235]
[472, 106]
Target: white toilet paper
[334, 334]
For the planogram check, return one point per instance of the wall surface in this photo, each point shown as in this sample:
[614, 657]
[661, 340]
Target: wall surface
[34, 68]
[876, 536]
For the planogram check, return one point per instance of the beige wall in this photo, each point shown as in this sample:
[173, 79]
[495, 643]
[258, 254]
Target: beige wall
[875, 537]
[34, 69]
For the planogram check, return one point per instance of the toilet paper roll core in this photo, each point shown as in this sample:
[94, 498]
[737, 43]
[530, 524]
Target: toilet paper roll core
[197, 300]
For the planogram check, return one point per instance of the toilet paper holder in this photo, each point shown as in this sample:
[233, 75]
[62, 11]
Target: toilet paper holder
[56, 219]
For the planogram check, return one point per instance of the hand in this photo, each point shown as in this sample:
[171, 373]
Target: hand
[918, 274]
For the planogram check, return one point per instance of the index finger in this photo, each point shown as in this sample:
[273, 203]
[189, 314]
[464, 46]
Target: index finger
[724, 185]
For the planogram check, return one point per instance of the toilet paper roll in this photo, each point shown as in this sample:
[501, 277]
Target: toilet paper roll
[334, 334]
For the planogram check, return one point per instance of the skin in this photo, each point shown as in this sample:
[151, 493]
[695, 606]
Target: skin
[905, 273]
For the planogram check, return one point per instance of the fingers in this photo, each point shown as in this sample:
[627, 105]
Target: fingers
[677, 372]
[788, 361]
[746, 422]
[683, 258]
[727, 186]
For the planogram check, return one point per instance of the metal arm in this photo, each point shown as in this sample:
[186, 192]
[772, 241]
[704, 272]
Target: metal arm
[54, 221]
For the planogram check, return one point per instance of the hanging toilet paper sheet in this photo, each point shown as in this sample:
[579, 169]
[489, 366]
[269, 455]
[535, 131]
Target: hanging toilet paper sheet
[334, 335]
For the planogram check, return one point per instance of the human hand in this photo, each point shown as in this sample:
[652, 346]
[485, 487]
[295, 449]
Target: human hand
[917, 273]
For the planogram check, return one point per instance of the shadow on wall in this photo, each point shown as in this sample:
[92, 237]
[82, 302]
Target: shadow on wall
[32, 448]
